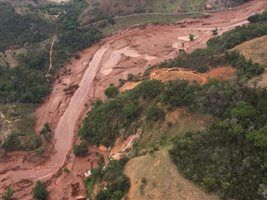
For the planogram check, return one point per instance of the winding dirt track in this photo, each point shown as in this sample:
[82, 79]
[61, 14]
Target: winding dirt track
[130, 51]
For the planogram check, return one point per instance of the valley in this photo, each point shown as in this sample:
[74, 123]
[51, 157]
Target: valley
[83, 80]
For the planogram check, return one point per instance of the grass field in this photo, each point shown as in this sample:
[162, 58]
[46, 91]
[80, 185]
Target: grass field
[179, 5]
[154, 176]
[256, 50]
[9, 58]
[18, 119]
[122, 23]
[100, 9]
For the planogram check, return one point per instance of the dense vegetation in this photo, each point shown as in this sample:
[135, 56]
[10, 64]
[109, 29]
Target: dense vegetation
[16, 30]
[228, 157]
[116, 183]
[27, 83]
[258, 18]
[216, 52]
[39, 191]
[112, 91]
[80, 150]
[72, 37]
[22, 84]
[104, 123]
[30, 81]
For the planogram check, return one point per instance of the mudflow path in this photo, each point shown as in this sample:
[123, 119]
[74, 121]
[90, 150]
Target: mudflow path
[83, 81]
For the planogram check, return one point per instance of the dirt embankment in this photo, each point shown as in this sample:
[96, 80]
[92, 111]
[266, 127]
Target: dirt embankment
[83, 81]
[169, 74]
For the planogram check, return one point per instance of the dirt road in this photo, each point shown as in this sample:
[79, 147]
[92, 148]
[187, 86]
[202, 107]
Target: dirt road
[51, 53]
[83, 81]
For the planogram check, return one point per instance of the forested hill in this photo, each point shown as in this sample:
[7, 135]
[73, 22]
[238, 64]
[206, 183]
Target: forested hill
[27, 33]
[31, 33]
[227, 157]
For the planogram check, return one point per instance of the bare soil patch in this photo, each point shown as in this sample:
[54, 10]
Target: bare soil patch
[170, 74]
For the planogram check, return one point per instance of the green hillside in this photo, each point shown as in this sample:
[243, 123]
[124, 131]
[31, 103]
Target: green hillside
[227, 157]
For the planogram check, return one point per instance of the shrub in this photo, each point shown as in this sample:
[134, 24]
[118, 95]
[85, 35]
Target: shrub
[154, 113]
[40, 151]
[117, 183]
[130, 110]
[191, 37]
[215, 32]
[46, 132]
[202, 69]
[12, 143]
[80, 150]
[179, 93]
[35, 60]
[143, 183]
[97, 103]
[102, 124]
[258, 17]
[209, 183]
[34, 142]
[245, 68]
[149, 88]
[40, 192]
[8, 194]
[143, 180]
[112, 91]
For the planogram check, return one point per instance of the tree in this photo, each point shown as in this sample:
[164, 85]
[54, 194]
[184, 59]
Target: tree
[80, 150]
[8, 194]
[179, 93]
[182, 52]
[259, 138]
[112, 91]
[215, 32]
[191, 37]
[11, 143]
[40, 192]
[130, 110]
[46, 132]
[244, 113]
[149, 88]
[97, 103]
[202, 69]
[111, 20]
[155, 113]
